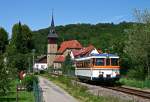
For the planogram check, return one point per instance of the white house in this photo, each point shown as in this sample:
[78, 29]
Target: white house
[40, 64]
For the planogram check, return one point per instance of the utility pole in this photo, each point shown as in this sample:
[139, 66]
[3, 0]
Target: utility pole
[33, 52]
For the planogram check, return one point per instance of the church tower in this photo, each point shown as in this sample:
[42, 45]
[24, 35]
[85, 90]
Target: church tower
[52, 44]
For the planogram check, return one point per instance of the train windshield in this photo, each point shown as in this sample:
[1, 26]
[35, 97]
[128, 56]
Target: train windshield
[114, 62]
[99, 62]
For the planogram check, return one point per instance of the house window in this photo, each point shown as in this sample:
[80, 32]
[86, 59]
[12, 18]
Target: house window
[42, 66]
[37, 66]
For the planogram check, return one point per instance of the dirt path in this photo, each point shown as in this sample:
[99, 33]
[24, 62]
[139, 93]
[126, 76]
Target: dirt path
[53, 93]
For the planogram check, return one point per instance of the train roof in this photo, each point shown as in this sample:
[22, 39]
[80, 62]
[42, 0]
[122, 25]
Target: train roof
[106, 55]
[103, 55]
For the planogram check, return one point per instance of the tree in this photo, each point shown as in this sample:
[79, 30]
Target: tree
[3, 40]
[67, 66]
[22, 38]
[6, 74]
[17, 38]
[19, 49]
[27, 38]
[138, 46]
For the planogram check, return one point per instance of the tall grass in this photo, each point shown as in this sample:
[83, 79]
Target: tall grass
[135, 83]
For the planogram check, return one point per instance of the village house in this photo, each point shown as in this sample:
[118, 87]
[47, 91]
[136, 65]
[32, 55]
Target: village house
[65, 49]
[40, 64]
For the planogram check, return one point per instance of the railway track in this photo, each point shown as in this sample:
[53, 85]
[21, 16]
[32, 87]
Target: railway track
[143, 94]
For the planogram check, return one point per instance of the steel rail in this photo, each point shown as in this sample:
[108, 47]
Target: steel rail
[135, 92]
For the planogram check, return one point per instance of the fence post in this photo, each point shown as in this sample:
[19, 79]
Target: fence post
[37, 92]
[17, 93]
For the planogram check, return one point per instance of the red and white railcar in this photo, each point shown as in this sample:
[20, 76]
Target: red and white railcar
[98, 67]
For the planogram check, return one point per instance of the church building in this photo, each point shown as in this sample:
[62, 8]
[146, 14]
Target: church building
[52, 44]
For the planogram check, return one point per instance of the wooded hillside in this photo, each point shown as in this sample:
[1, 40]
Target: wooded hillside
[102, 35]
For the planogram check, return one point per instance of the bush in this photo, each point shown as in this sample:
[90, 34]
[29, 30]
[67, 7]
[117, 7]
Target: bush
[28, 81]
[135, 83]
[137, 73]
[42, 71]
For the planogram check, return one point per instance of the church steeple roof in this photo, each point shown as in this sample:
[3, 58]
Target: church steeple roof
[52, 22]
[52, 32]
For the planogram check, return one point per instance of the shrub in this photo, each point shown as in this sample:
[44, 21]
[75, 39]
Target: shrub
[135, 83]
[137, 73]
[28, 81]
[42, 71]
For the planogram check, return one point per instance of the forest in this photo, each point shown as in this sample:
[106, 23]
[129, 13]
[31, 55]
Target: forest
[130, 40]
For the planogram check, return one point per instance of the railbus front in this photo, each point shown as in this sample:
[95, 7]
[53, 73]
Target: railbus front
[99, 67]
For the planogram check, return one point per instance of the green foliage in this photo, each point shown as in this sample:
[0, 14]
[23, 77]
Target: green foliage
[3, 40]
[23, 96]
[138, 48]
[28, 81]
[67, 67]
[18, 61]
[20, 48]
[6, 75]
[27, 38]
[21, 38]
[102, 35]
[135, 83]
[40, 41]
[137, 72]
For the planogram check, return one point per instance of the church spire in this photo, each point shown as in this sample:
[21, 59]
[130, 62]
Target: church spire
[52, 32]
[52, 22]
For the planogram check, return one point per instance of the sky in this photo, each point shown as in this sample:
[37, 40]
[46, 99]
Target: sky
[37, 13]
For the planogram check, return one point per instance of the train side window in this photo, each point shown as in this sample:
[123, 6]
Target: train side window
[79, 64]
[94, 60]
[82, 64]
[88, 63]
[114, 62]
[99, 62]
[107, 61]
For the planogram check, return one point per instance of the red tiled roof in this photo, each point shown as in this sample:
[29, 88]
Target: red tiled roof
[83, 51]
[72, 44]
[59, 58]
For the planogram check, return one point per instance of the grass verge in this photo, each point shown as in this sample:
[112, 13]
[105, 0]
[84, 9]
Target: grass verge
[78, 91]
[135, 83]
[23, 96]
